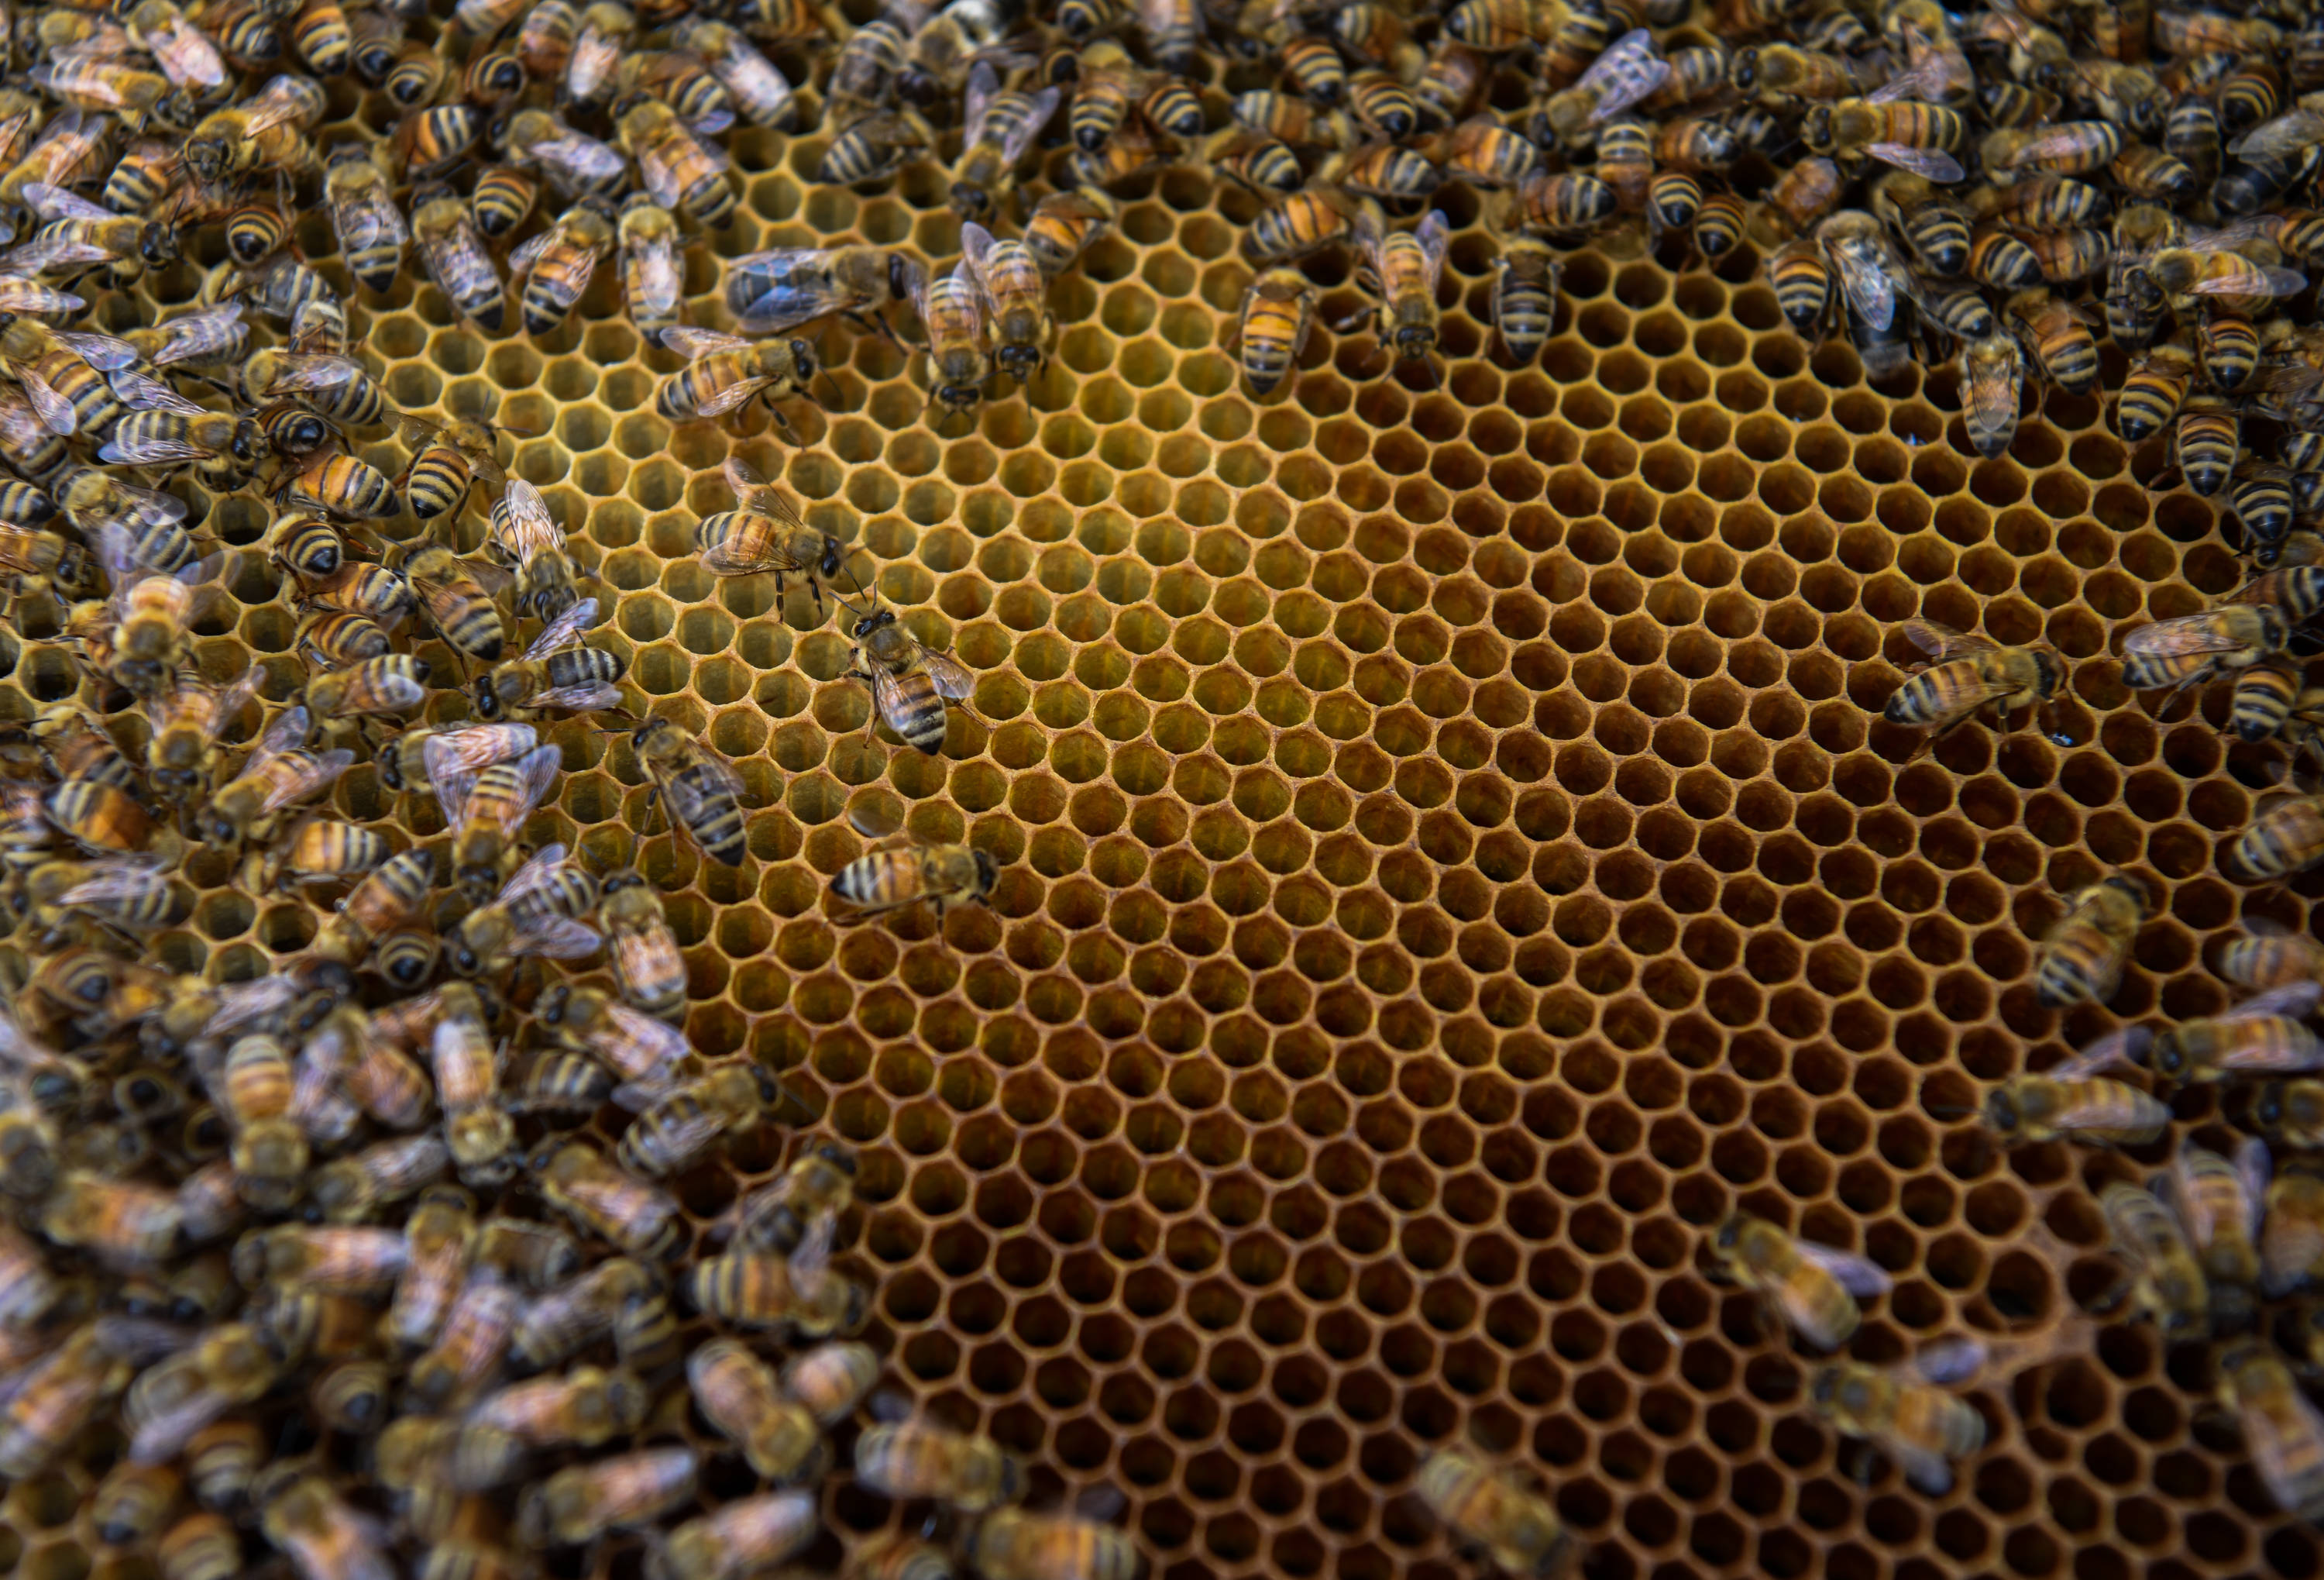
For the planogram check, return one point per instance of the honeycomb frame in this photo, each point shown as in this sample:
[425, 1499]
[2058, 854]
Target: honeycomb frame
[1452, 859]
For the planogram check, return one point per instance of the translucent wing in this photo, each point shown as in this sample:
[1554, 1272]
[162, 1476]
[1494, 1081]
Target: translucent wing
[534, 874]
[44, 253]
[539, 770]
[953, 681]
[594, 697]
[1866, 282]
[2254, 1167]
[2121, 1049]
[690, 342]
[479, 747]
[2182, 633]
[369, 221]
[145, 394]
[1930, 164]
[56, 413]
[659, 284]
[1942, 642]
[797, 288]
[983, 86]
[1858, 1277]
[887, 699]
[2294, 1000]
[297, 371]
[186, 55]
[1923, 79]
[524, 529]
[557, 938]
[563, 631]
[975, 252]
[529, 252]
[60, 203]
[30, 296]
[1027, 126]
[118, 878]
[1435, 237]
[661, 176]
[1628, 70]
[2249, 279]
[2285, 136]
[450, 774]
[584, 159]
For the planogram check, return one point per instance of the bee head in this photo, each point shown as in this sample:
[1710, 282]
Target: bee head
[2130, 886]
[1729, 1233]
[873, 622]
[248, 445]
[988, 872]
[1816, 130]
[2267, 1105]
[2165, 1056]
[803, 359]
[905, 276]
[971, 201]
[485, 699]
[157, 245]
[2051, 669]
[770, 1090]
[464, 960]
[1744, 72]
[2001, 1113]
[549, 1008]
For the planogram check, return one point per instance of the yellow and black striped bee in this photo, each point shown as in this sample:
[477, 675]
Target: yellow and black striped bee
[363, 214]
[1484, 152]
[1265, 165]
[2083, 955]
[1277, 311]
[2261, 498]
[912, 685]
[2206, 443]
[455, 603]
[342, 485]
[1015, 309]
[2060, 342]
[2153, 390]
[525, 538]
[449, 459]
[1803, 285]
[557, 671]
[942, 875]
[2265, 697]
[502, 200]
[648, 968]
[453, 254]
[2188, 650]
[725, 371]
[677, 167]
[1934, 227]
[557, 264]
[1969, 674]
[700, 791]
[652, 273]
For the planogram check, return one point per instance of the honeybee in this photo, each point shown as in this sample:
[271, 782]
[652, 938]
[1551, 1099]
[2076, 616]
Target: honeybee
[2083, 955]
[576, 165]
[678, 168]
[648, 968]
[585, 1407]
[557, 671]
[968, 1473]
[389, 896]
[133, 1501]
[651, 274]
[455, 603]
[324, 1539]
[53, 1399]
[118, 1220]
[455, 257]
[1014, 287]
[958, 365]
[74, 231]
[1968, 672]
[674, 1128]
[640, 1048]
[1812, 1288]
[40, 561]
[1277, 311]
[1631, 69]
[2184, 273]
[278, 773]
[771, 292]
[525, 538]
[1489, 1509]
[2270, 955]
[2283, 1429]
[699, 789]
[165, 430]
[470, 1344]
[485, 808]
[832, 1379]
[94, 83]
[534, 915]
[569, 1319]
[765, 532]
[743, 1538]
[349, 1189]
[726, 370]
[2070, 1102]
[640, 1220]
[997, 127]
[264, 133]
[253, 1089]
[1923, 1428]
[1890, 125]
[557, 264]
[2152, 391]
[397, 683]
[802, 1295]
[2162, 1280]
[2262, 1035]
[502, 200]
[739, 1395]
[2188, 650]
[755, 86]
[2219, 1202]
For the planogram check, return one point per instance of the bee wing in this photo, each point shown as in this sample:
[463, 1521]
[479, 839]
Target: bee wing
[2125, 1046]
[955, 683]
[1932, 164]
[887, 699]
[1866, 283]
[1860, 1277]
[310, 778]
[145, 394]
[557, 938]
[56, 413]
[30, 296]
[2249, 279]
[1942, 642]
[584, 159]
[325, 371]
[2254, 1168]
[44, 253]
[660, 283]
[660, 175]
[1630, 69]
[122, 878]
[2182, 633]
[595, 698]
[450, 773]
[976, 251]
[984, 84]
[235, 698]
[529, 252]
[151, 506]
[813, 1253]
[563, 631]
[53, 202]
[1435, 237]
[1923, 78]
[696, 344]
[2284, 136]
[2295, 1001]
[524, 529]
[265, 114]
[398, 691]
[1948, 1362]
[1037, 113]
[186, 55]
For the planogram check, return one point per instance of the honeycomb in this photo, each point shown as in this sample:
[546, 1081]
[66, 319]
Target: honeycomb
[1452, 857]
